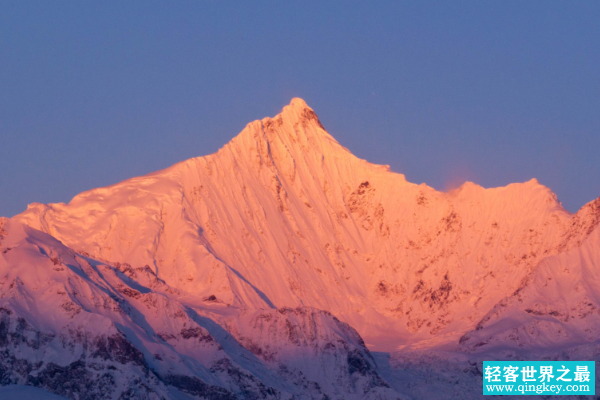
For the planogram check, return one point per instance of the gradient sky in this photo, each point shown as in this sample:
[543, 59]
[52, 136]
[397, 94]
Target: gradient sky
[92, 93]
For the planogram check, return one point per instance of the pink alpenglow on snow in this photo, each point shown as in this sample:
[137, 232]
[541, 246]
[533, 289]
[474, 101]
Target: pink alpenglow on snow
[282, 266]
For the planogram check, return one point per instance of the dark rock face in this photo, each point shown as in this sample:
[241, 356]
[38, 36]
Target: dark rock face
[310, 115]
[73, 380]
[119, 349]
[249, 387]
[4, 321]
[358, 364]
[79, 380]
[196, 387]
[103, 361]
[196, 333]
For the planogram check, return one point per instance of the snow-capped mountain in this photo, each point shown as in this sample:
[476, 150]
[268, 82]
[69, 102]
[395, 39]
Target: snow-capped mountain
[257, 271]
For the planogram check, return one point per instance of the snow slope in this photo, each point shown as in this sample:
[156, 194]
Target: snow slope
[84, 329]
[232, 256]
[557, 304]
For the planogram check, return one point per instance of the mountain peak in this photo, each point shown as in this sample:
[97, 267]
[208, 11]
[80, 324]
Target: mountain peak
[296, 129]
[299, 112]
[297, 102]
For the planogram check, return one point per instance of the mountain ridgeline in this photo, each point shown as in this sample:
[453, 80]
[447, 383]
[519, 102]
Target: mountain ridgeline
[281, 267]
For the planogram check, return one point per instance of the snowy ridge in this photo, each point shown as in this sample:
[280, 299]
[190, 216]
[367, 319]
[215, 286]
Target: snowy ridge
[87, 330]
[225, 271]
[557, 304]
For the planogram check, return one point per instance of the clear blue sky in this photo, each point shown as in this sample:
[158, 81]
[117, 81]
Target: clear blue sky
[92, 93]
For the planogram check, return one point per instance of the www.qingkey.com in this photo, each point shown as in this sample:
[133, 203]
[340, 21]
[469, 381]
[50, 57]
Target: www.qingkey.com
[537, 388]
